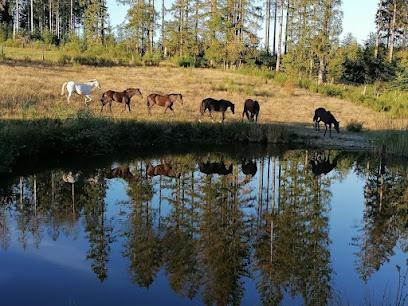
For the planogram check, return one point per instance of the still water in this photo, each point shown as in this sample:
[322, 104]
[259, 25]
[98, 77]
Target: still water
[247, 225]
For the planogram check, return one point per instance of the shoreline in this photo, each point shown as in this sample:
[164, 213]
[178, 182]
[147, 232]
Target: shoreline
[24, 139]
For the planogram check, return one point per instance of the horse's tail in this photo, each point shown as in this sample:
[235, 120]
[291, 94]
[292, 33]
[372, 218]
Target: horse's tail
[147, 101]
[63, 88]
[315, 117]
[202, 107]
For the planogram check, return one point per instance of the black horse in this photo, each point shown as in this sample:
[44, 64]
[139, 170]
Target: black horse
[218, 168]
[249, 168]
[321, 163]
[252, 107]
[216, 106]
[322, 115]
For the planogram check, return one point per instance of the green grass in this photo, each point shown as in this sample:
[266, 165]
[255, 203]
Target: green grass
[85, 134]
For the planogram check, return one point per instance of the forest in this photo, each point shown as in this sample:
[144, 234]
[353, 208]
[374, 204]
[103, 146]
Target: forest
[300, 37]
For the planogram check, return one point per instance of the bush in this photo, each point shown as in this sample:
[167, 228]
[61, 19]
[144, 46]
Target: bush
[63, 59]
[354, 126]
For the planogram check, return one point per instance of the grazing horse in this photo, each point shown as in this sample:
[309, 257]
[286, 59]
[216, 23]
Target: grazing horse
[123, 172]
[321, 163]
[218, 168]
[163, 100]
[120, 97]
[80, 88]
[252, 107]
[216, 106]
[322, 115]
[162, 169]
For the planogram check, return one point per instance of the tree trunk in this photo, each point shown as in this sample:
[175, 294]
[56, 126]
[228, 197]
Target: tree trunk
[379, 27]
[32, 16]
[287, 27]
[393, 26]
[267, 24]
[162, 24]
[278, 58]
[274, 26]
[322, 70]
[71, 17]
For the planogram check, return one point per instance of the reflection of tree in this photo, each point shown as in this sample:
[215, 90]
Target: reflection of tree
[291, 252]
[142, 245]
[98, 227]
[385, 216]
[223, 240]
[180, 240]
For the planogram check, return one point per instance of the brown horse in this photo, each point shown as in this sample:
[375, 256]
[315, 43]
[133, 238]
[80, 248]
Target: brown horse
[322, 115]
[252, 107]
[120, 97]
[162, 169]
[216, 106]
[122, 171]
[163, 100]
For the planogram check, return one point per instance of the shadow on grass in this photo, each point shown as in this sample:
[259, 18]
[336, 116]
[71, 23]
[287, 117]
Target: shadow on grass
[89, 135]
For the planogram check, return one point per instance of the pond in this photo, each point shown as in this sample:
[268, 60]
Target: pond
[246, 225]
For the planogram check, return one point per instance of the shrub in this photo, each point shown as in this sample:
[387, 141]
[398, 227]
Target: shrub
[63, 59]
[354, 126]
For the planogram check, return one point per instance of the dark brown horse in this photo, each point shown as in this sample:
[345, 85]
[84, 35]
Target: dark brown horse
[218, 168]
[163, 100]
[120, 97]
[249, 168]
[252, 107]
[322, 115]
[162, 169]
[321, 163]
[216, 106]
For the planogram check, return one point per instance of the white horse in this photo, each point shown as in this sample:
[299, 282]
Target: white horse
[80, 88]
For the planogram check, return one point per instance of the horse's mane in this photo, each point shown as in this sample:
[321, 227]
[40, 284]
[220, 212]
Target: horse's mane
[93, 80]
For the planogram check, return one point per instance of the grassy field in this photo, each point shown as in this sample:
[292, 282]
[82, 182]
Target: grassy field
[33, 90]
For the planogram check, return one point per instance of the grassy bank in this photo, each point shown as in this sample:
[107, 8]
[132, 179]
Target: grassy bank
[87, 135]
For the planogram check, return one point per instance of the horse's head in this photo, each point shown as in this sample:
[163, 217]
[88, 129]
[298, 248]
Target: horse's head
[336, 126]
[233, 108]
[180, 97]
[96, 84]
[139, 93]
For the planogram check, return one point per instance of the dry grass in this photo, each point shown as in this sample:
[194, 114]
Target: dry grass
[33, 91]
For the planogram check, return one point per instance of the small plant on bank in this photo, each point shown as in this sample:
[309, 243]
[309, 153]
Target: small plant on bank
[354, 126]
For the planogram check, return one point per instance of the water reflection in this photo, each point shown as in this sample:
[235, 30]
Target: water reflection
[210, 221]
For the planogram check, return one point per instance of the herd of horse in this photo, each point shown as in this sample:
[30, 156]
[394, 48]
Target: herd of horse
[251, 107]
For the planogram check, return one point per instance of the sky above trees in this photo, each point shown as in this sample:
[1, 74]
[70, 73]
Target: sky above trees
[358, 19]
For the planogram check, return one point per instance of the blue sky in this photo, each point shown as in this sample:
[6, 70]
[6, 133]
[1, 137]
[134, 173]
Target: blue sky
[358, 16]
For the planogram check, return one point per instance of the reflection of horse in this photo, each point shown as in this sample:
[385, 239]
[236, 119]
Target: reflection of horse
[122, 172]
[162, 169]
[120, 97]
[252, 107]
[70, 177]
[249, 168]
[218, 168]
[321, 163]
[322, 115]
[163, 100]
[80, 88]
[216, 106]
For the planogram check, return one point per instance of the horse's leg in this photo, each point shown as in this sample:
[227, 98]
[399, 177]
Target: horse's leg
[69, 95]
[223, 116]
[330, 129]
[171, 108]
[242, 119]
[103, 104]
[128, 107]
[110, 106]
[256, 116]
[325, 130]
